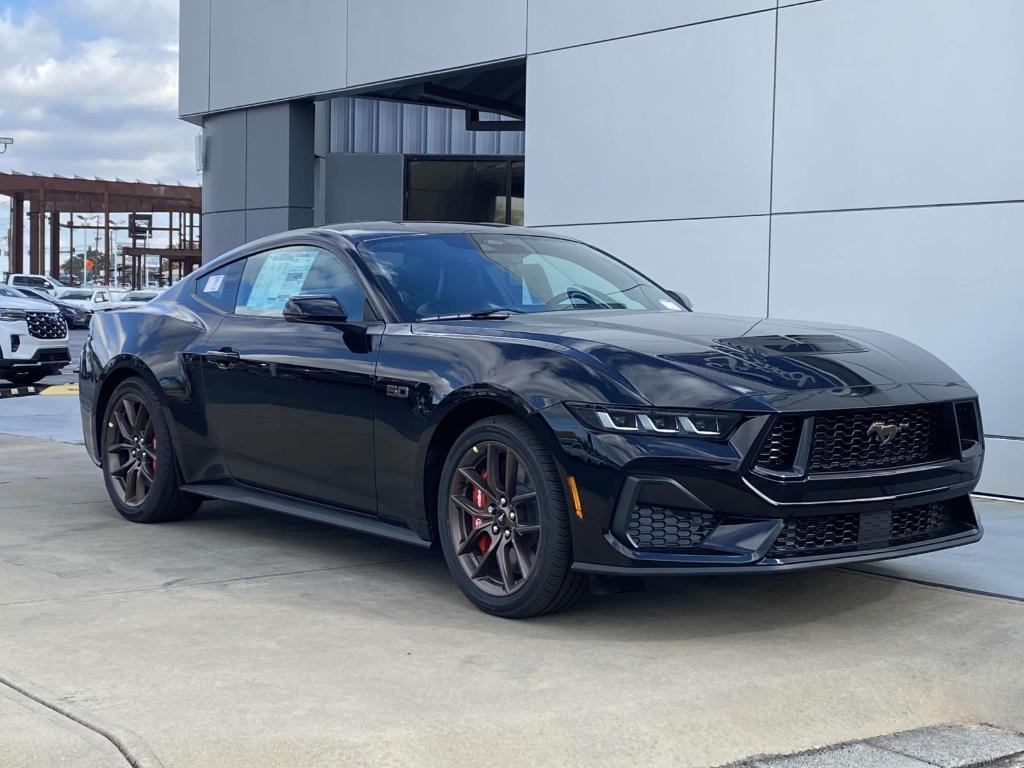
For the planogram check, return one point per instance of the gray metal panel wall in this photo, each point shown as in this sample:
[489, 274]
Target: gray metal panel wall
[387, 127]
[259, 174]
[854, 161]
[363, 188]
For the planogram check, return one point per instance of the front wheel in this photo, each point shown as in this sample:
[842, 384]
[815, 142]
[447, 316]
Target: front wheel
[503, 522]
[139, 467]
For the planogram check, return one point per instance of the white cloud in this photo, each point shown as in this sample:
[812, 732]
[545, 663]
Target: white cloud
[89, 87]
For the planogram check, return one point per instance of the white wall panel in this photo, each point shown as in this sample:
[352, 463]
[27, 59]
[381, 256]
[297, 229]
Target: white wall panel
[193, 57]
[397, 38]
[1002, 472]
[948, 279]
[721, 264]
[275, 50]
[669, 125]
[558, 23]
[913, 102]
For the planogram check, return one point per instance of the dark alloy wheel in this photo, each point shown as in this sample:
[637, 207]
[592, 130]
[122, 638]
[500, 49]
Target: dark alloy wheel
[139, 466]
[493, 517]
[503, 521]
[131, 450]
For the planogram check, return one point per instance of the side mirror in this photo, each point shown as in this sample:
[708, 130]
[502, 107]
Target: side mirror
[319, 310]
[682, 299]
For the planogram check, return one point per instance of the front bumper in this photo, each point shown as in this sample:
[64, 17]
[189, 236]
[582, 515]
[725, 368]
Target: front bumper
[743, 517]
[42, 357]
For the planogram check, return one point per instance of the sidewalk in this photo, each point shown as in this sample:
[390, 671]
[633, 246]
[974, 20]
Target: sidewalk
[241, 638]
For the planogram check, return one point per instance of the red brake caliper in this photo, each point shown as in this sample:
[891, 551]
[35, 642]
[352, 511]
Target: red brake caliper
[152, 463]
[480, 502]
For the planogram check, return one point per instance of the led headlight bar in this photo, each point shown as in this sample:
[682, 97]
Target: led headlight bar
[644, 421]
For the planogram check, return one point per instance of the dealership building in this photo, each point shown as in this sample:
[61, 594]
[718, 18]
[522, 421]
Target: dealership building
[859, 161]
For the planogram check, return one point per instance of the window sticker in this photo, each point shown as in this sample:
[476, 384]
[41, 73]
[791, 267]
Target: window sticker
[213, 284]
[281, 277]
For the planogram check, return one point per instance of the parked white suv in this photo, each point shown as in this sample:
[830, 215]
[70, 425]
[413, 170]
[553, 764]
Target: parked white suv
[33, 338]
[38, 282]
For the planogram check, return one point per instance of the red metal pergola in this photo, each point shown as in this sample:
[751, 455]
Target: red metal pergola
[51, 197]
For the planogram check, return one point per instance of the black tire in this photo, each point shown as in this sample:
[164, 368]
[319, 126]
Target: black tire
[164, 500]
[23, 378]
[552, 585]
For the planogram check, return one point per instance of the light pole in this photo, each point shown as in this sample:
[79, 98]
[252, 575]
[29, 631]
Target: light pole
[85, 243]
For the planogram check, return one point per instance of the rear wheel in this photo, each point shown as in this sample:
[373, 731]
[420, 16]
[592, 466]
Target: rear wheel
[21, 378]
[138, 458]
[503, 522]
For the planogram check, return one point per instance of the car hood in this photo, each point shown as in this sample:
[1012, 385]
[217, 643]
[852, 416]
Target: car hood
[747, 362]
[32, 305]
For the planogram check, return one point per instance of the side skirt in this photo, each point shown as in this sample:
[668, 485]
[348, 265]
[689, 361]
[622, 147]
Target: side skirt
[309, 510]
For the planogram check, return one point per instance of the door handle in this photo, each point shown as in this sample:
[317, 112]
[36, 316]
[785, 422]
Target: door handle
[223, 358]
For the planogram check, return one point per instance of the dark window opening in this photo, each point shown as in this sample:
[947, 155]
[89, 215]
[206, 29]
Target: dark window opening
[464, 189]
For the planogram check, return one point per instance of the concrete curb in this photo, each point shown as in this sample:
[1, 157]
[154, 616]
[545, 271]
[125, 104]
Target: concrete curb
[19, 391]
[941, 746]
[135, 751]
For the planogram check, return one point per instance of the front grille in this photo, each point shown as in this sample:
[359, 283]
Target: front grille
[863, 440]
[848, 532]
[46, 325]
[778, 451]
[668, 527]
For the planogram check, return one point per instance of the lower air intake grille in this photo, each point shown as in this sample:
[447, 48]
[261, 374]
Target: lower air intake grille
[829, 534]
[817, 535]
[668, 528]
[922, 522]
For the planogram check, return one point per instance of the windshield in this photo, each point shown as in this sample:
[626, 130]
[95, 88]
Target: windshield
[429, 275]
[12, 293]
[77, 295]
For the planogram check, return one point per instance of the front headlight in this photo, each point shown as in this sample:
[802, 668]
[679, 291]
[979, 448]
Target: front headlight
[11, 315]
[655, 421]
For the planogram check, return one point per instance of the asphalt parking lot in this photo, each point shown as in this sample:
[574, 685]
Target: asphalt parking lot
[241, 638]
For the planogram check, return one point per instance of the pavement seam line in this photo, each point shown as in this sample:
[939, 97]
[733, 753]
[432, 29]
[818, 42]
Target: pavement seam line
[854, 571]
[130, 745]
[186, 584]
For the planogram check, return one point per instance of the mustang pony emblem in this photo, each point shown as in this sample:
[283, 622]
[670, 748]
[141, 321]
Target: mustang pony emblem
[884, 432]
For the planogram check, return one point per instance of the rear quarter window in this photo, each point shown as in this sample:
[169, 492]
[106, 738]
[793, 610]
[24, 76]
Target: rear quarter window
[219, 288]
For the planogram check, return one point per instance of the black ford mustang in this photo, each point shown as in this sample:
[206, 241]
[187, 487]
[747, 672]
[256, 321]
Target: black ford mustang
[535, 406]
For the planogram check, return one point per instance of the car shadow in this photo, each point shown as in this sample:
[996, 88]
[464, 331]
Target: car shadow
[667, 609]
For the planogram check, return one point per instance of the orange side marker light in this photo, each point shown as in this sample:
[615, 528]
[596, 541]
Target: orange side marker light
[577, 507]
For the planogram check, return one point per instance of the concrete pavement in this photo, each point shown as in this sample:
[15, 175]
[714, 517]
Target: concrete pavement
[241, 638]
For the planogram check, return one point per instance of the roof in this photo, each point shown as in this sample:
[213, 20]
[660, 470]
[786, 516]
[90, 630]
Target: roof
[365, 230]
[79, 195]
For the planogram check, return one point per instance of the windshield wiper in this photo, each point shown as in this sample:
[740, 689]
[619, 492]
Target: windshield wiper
[494, 313]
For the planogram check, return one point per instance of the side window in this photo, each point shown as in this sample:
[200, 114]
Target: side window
[100, 297]
[219, 288]
[271, 278]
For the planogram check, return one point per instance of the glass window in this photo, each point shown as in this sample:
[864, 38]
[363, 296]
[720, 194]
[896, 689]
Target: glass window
[218, 288]
[428, 275]
[464, 190]
[271, 278]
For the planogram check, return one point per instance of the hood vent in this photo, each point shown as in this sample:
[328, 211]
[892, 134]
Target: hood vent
[795, 344]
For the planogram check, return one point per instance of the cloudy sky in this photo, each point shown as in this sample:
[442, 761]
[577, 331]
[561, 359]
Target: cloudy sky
[89, 87]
